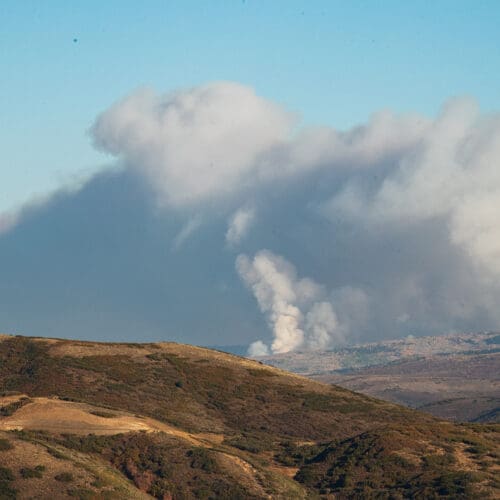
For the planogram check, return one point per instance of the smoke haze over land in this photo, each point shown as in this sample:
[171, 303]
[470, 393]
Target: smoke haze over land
[223, 221]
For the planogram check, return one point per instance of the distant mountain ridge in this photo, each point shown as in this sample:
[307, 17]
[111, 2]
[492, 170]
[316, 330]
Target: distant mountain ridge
[353, 357]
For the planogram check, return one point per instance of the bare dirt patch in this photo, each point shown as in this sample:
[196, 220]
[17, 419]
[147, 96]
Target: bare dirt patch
[65, 417]
[463, 460]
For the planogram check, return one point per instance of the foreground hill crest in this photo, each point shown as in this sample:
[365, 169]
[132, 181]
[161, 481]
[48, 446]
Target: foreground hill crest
[98, 420]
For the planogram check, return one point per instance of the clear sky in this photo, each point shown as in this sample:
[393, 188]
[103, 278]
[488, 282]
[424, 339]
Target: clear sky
[61, 63]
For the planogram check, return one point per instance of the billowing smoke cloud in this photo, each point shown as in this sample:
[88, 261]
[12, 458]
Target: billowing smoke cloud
[195, 144]
[216, 141]
[396, 218]
[292, 306]
[454, 173]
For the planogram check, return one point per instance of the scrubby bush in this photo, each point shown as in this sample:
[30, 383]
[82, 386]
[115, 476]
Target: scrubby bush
[27, 472]
[64, 477]
[10, 409]
[5, 445]
[6, 474]
[103, 414]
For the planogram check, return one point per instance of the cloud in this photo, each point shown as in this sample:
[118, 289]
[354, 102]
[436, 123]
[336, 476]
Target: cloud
[214, 142]
[291, 305]
[239, 225]
[394, 222]
[454, 173]
[194, 144]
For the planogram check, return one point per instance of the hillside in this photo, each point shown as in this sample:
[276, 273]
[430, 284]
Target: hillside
[456, 376]
[460, 387]
[95, 420]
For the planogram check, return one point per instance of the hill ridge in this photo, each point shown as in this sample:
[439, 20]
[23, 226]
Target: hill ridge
[263, 432]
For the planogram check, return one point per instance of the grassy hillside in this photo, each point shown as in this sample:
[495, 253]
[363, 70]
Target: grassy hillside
[90, 420]
[459, 387]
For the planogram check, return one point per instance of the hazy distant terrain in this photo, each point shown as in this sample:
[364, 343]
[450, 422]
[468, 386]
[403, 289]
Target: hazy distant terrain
[455, 377]
[171, 421]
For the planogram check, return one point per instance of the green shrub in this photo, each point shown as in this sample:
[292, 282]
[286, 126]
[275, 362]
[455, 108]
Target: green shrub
[292, 454]
[56, 454]
[248, 442]
[202, 459]
[5, 445]
[6, 474]
[6, 491]
[103, 414]
[27, 472]
[64, 477]
[10, 409]
[477, 449]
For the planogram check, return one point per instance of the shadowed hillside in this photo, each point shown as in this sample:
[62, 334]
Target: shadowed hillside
[91, 420]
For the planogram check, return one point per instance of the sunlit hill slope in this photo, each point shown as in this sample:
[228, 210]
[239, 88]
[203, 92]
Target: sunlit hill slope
[96, 420]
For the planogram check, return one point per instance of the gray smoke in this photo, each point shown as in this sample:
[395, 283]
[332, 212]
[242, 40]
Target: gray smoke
[395, 222]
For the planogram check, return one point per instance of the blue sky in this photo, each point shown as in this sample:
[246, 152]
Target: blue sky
[61, 63]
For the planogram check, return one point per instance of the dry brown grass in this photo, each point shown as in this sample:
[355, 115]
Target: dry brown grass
[65, 417]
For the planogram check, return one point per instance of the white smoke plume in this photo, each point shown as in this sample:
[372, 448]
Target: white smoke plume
[258, 348]
[239, 225]
[297, 317]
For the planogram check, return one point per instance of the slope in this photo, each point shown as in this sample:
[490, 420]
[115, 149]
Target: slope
[176, 421]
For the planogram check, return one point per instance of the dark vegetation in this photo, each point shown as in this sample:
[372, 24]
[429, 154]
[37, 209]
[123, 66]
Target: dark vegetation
[6, 490]
[103, 414]
[11, 408]
[378, 461]
[5, 445]
[27, 472]
[64, 477]
[158, 464]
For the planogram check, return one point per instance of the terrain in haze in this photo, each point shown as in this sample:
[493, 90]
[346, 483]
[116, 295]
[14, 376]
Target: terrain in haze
[96, 420]
[454, 376]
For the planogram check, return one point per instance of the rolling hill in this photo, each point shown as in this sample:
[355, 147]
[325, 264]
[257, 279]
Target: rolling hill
[100, 420]
[459, 387]
[454, 376]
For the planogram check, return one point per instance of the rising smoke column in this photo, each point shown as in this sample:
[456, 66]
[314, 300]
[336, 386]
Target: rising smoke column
[293, 307]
